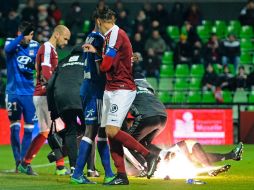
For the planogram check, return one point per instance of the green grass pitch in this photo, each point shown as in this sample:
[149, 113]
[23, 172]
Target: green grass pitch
[239, 177]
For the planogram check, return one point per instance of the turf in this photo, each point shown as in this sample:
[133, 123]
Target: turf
[239, 177]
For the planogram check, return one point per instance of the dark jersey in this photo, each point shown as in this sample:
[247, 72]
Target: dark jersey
[146, 104]
[68, 79]
[94, 80]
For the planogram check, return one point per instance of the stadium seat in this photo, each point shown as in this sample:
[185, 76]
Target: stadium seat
[178, 97]
[197, 70]
[235, 23]
[181, 84]
[184, 30]
[240, 96]
[164, 96]
[246, 32]
[208, 97]
[203, 33]
[220, 32]
[227, 96]
[250, 108]
[2, 42]
[167, 58]
[251, 97]
[173, 32]
[217, 68]
[62, 22]
[194, 97]
[165, 84]
[166, 71]
[220, 24]
[195, 83]
[231, 29]
[246, 45]
[86, 26]
[245, 58]
[153, 82]
[231, 68]
[182, 70]
[207, 24]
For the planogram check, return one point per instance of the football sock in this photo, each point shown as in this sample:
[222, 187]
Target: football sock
[84, 151]
[129, 142]
[216, 157]
[34, 148]
[15, 140]
[103, 150]
[116, 150]
[27, 139]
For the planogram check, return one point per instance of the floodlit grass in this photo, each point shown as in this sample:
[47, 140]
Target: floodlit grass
[239, 177]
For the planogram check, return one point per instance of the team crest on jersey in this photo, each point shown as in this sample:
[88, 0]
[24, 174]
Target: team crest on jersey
[31, 52]
[113, 108]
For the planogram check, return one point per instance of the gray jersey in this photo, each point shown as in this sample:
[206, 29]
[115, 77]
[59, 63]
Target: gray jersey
[146, 104]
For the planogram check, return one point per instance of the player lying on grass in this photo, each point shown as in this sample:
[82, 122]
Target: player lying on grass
[149, 118]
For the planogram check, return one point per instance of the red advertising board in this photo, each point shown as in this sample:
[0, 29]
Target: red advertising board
[5, 127]
[207, 126]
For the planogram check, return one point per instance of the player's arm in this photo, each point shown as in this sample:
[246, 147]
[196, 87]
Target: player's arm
[45, 64]
[108, 59]
[115, 42]
[11, 46]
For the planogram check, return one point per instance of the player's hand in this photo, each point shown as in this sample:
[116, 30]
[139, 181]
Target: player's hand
[89, 48]
[28, 30]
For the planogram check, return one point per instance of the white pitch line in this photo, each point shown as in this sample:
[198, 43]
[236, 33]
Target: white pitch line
[34, 166]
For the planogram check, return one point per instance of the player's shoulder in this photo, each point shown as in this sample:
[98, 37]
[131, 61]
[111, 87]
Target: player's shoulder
[34, 44]
[8, 40]
[97, 34]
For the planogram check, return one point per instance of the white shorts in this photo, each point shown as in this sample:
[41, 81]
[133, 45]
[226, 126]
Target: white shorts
[43, 115]
[116, 105]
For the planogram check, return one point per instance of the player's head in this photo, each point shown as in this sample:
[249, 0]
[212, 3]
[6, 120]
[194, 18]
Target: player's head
[27, 29]
[62, 35]
[105, 19]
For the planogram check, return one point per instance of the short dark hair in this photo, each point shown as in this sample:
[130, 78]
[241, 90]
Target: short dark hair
[23, 25]
[105, 14]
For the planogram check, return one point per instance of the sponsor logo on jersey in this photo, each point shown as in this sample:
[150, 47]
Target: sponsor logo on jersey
[23, 60]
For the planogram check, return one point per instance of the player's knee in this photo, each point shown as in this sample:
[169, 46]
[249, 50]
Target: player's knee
[45, 134]
[111, 131]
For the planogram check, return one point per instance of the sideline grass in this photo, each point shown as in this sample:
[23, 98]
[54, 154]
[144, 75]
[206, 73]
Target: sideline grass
[239, 177]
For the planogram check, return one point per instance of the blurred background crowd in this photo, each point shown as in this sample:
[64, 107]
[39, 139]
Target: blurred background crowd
[184, 55]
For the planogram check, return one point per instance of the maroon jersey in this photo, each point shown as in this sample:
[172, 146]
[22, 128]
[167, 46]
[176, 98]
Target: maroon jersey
[46, 63]
[119, 76]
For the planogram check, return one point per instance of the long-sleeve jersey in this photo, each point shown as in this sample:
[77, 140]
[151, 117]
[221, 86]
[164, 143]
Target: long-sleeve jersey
[94, 80]
[46, 63]
[20, 65]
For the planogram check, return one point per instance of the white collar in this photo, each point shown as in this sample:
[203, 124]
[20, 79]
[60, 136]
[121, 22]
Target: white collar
[113, 27]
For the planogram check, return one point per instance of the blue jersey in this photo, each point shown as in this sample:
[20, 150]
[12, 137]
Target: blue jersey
[20, 66]
[94, 80]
